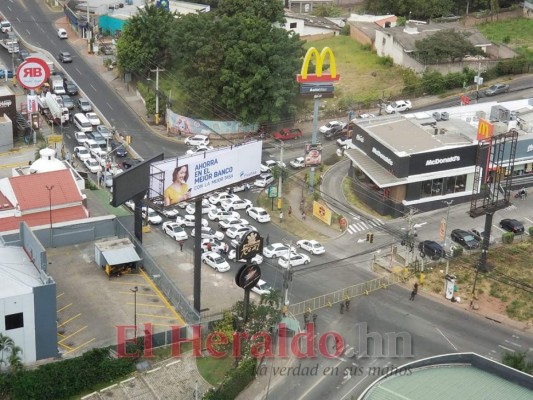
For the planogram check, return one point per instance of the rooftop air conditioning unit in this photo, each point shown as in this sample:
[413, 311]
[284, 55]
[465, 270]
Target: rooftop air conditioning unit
[444, 116]
[443, 131]
[437, 116]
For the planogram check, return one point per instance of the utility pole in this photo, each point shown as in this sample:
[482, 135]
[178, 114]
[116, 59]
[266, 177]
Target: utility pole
[157, 71]
[478, 77]
[410, 240]
[50, 188]
[287, 276]
[448, 203]
[280, 178]
[314, 139]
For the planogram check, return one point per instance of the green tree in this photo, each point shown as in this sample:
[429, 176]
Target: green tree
[5, 344]
[445, 46]
[272, 298]
[327, 10]
[271, 11]
[15, 360]
[145, 42]
[518, 361]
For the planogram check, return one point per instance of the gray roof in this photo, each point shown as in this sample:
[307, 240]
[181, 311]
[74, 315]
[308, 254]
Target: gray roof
[309, 20]
[407, 40]
[373, 170]
[18, 275]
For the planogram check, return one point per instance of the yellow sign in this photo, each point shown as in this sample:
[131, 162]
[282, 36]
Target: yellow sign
[322, 212]
[55, 139]
[442, 230]
[485, 129]
[319, 59]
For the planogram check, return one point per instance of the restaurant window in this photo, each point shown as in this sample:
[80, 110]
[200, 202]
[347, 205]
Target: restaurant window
[442, 186]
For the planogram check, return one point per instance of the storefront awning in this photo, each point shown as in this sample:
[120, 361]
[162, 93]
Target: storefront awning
[373, 170]
[121, 256]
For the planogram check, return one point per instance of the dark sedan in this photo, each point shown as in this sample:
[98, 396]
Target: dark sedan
[67, 101]
[334, 132]
[70, 88]
[512, 225]
[431, 249]
[465, 239]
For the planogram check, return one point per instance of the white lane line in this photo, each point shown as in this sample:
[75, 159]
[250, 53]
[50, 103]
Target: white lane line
[448, 340]
[350, 230]
[513, 343]
[527, 219]
[93, 87]
[506, 348]
[79, 72]
[318, 382]
[497, 227]
[109, 105]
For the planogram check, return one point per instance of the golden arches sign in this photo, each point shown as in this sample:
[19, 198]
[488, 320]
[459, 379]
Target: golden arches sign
[320, 58]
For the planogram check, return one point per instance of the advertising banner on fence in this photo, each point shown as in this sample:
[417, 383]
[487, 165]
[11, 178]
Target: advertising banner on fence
[313, 154]
[184, 178]
[322, 212]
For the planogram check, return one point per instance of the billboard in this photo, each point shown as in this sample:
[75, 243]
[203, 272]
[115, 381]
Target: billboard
[322, 212]
[186, 177]
[313, 154]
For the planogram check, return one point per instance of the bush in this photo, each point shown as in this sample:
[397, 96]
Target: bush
[235, 382]
[345, 31]
[457, 251]
[530, 231]
[386, 61]
[508, 237]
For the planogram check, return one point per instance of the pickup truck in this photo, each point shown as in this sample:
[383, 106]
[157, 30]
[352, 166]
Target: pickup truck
[288, 134]
[10, 45]
[345, 143]
[398, 106]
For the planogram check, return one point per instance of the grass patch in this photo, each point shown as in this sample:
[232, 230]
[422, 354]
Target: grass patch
[517, 32]
[354, 201]
[213, 369]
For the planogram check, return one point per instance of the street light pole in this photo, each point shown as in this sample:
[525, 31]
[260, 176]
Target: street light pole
[135, 290]
[49, 188]
[448, 203]
[157, 70]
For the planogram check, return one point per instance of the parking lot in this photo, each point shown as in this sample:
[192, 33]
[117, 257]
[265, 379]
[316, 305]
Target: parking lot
[90, 305]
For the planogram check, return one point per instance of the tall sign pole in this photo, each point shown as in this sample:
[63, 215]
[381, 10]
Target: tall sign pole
[318, 85]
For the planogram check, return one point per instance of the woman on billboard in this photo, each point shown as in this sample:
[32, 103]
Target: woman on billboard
[179, 190]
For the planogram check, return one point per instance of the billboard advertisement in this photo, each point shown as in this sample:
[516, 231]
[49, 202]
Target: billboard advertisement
[313, 154]
[183, 178]
[322, 212]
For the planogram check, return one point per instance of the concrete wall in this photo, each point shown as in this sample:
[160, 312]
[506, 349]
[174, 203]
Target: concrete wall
[360, 36]
[473, 19]
[6, 133]
[45, 308]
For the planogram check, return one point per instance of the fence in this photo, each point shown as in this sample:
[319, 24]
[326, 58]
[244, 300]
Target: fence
[327, 300]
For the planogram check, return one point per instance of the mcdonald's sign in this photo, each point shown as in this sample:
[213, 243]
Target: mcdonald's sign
[485, 129]
[318, 76]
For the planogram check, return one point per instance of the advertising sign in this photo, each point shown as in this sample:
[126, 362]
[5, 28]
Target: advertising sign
[322, 212]
[33, 107]
[442, 160]
[272, 192]
[250, 245]
[184, 178]
[485, 129]
[313, 154]
[320, 58]
[248, 276]
[442, 230]
[33, 72]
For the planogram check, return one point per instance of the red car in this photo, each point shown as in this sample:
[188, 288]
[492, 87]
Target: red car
[288, 134]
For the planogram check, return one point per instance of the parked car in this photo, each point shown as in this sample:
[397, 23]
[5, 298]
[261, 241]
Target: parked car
[288, 134]
[3, 74]
[175, 231]
[84, 105]
[218, 197]
[334, 132]
[217, 214]
[257, 259]
[93, 147]
[259, 214]
[293, 260]
[232, 221]
[64, 57]
[264, 180]
[432, 249]
[236, 232]
[215, 245]
[240, 187]
[479, 233]
[215, 261]
[80, 137]
[398, 106]
[70, 88]
[261, 288]
[82, 153]
[206, 207]
[209, 233]
[298, 163]
[67, 101]
[497, 89]
[197, 140]
[93, 118]
[150, 214]
[272, 163]
[236, 204]
[512, 225]
[102, 130]
[312, 246]
[62, 33]
[92, 165]
[98, 138]
[275, 250]
[188, 220]
[198, 149]
[465, 239]
[170, 212]
[330, 125]
[263, 168]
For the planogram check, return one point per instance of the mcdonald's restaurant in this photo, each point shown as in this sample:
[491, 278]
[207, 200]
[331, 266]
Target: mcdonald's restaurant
[425, 159]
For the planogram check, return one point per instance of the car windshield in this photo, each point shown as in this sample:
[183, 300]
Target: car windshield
[469, 238]
[316, 245]
[219, 260]
[152, 214]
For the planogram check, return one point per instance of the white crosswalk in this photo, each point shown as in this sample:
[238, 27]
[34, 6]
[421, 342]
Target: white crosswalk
[363, 226]
[511, 208]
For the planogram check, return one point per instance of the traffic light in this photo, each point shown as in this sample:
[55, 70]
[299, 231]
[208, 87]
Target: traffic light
[371, 237]
[368, 237]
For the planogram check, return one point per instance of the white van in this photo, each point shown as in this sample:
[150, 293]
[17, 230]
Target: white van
[5, 26]
[82, 123]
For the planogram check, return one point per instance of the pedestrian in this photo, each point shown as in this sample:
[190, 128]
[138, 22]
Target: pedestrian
[342, 308]
[68, 156]
[181, 245]
[314, 319]
[347, 304]
[281, 216]
[303, 215]
[290, 210]
[414, 292]
[306, 317]
[268, 239]
[209, 246]
[99, 177]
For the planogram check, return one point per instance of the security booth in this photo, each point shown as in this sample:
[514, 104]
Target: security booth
[116, 256]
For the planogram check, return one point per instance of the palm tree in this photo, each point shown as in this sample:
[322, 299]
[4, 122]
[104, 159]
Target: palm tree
[272, 298]
[518, 361]
[5, 343]
[14, 359]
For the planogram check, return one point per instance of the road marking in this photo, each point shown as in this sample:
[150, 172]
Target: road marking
[527, 219]
[357, 384]
[63, 308]
[349, 229]
[448, 340]
[497, 227]
[513, 343]
[81, 345]
[317, 382]
[109, 105]
[72, 334]
[68, 320]
[506, 348]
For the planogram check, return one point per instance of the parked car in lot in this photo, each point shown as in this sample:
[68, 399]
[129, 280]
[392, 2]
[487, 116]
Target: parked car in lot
[259, 214]
[312, 246]
[398, 106]
[431, 249]
[84, 105]
[231, 221]
[512, 225]
[258, 259]
[263, 180]
[497, 89]
[331, 125]
[197, 140]
[150, 214]
[275, 250]
[92, 165]
[236, 204]
[262, 288]
[82, 153]
[217, 214]
[293, 260]
[209, 233]
[465, 239]
[175, 231]
[288, 134]
[215, 261]
[298, 163]
[188, 220]
[80, 137]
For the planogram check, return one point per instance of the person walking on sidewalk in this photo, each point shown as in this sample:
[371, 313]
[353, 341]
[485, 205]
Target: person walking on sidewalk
[290, 211]
[414, 292]
[281, 216]
[181, 245]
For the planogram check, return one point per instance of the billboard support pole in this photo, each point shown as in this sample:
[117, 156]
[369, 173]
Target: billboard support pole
[197, 285]
[138, 219]
[314, 140]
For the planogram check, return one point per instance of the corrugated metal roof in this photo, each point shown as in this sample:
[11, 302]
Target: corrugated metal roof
[448, 382]
[121, 256]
